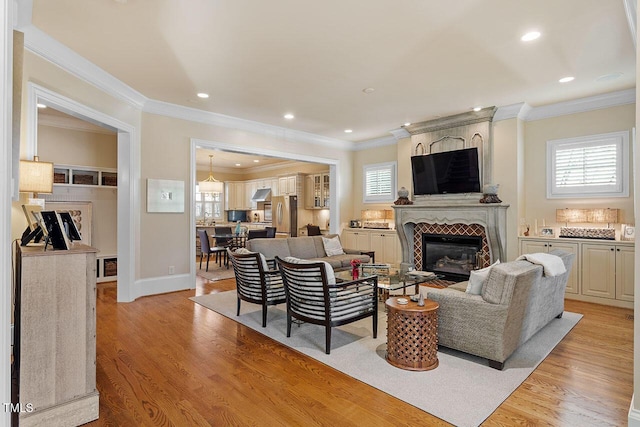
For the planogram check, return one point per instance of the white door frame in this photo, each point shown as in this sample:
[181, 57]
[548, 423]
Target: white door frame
[128, 174]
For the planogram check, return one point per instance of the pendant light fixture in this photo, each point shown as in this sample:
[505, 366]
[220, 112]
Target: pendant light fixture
[211, 185]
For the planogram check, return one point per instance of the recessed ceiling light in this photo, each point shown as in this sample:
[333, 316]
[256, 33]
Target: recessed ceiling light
[607, 77]
[407, 124]
[566, 79]
[368, 90]
[531, 35]
[237, 164]
[203, 95]
[256, 161]
[348, 130]
[41, 105]
[477, 108]
[289, 116]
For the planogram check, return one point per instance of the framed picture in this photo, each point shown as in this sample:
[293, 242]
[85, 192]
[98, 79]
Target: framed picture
[628, 232]
[82, 215]
[165, 195]
[546, 232]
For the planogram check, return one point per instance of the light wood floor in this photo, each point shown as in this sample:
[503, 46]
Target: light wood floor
[163, 360]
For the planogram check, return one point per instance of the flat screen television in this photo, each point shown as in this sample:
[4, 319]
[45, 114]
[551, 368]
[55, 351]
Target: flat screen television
[447, 172]
[233, 216]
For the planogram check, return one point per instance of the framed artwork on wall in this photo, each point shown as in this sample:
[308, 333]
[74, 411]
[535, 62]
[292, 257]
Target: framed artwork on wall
[546, 232]
[165, 195]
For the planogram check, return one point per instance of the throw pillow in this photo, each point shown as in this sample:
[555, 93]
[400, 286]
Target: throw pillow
[332, 246]
[331, 277]
[477, 279]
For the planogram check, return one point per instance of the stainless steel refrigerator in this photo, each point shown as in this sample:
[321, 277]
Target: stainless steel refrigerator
[285, 214]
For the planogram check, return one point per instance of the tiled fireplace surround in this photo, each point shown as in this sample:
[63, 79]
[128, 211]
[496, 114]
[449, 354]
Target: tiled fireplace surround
[468, 218]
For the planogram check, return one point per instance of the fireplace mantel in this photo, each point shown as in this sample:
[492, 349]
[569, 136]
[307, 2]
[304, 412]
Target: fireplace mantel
[491, 216]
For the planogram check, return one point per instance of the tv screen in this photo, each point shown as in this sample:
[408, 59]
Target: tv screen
[233, 216]
[447, 172]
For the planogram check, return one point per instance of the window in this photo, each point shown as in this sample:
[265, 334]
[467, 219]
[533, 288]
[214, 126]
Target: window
[208, 206]
[379, 182]
[589, 166]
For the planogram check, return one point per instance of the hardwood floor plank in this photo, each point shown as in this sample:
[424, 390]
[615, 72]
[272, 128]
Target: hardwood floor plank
[164, 360]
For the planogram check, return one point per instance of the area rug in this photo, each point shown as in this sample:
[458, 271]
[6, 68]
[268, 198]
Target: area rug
[462, 390]
[215, 272]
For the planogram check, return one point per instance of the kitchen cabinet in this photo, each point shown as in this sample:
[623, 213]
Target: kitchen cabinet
[250, 188]
[317, 193]
[603, 271]
[288, 185]
[546, 245]
[234, 195]
[608, 271]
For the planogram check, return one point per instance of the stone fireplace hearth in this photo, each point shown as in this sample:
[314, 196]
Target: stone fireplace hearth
[452, 218]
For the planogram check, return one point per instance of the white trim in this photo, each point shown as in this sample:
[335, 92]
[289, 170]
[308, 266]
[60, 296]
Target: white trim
[634, 414]
[375, 143]
[128, 175]
[6, 190]
[71, 124]
[520, 110]
[164, 284]
[621, 138]
[631, 10]
[215, 119]
[583, 105]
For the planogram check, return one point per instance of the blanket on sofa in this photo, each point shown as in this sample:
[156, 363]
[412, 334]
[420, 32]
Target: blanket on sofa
[552, 265]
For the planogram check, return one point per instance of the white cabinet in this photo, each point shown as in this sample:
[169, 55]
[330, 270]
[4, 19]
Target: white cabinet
[608, 271]
[386, 245]
[603, 271]
[546, 245]
[287, 185]
[317, 193]
[235, 195]
[250, 188]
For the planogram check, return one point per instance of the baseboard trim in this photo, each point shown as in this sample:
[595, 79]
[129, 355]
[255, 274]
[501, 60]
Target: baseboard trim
[164, 284]
[634, 414]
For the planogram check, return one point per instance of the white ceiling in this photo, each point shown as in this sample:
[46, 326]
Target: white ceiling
[425, 58]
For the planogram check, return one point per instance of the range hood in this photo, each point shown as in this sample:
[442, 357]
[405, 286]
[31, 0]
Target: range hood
[262, 195]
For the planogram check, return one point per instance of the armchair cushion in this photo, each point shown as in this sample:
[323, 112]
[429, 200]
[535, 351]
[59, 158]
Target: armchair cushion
[331, 277]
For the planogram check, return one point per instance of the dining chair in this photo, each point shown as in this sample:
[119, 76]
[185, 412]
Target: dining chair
[271, 232]
[313, 230]
[255, 234]
[223, 236]
[206, 249]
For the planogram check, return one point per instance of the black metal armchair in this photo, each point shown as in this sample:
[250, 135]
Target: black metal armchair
[312, 298]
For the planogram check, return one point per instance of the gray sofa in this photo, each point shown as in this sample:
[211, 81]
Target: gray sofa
[305, 247]
[516, 302]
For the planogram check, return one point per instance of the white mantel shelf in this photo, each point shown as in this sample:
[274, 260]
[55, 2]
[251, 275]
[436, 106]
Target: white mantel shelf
[492, 216]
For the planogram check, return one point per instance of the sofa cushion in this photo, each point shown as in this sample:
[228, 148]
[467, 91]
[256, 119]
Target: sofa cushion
[302, 247]
[270, 248]
[477, 278]
[332, 246]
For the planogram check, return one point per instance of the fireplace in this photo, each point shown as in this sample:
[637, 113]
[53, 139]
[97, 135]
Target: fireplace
[452, 256]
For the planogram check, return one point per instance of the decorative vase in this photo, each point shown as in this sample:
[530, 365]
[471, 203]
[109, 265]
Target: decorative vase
[421, 300]
[355, 273]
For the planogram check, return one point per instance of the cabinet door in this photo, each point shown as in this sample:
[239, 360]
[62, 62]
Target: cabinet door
[282, 186]
[386, 246]
[599, 270]
[625, 258]
[533, 246]
[326, 192]
[356, 240]
[348, 239]
[308, 192]
[275, 190]
[291, 185]
[250, 188]
[572, 282]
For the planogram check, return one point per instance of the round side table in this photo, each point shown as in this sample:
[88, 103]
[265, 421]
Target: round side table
[412, 335]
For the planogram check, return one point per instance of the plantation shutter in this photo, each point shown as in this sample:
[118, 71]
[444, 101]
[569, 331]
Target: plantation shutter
[379, 182]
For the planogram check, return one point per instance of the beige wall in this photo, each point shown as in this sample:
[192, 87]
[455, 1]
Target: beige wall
[362, 158]
[77, 148]
[537, 133]
[166, 155]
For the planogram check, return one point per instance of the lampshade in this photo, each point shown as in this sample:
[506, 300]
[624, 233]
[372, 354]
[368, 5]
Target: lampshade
[211, 185]
[609, 216]
[571, 215]
[36, 176]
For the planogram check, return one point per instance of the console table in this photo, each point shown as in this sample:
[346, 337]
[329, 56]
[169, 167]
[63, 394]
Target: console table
[412, 335]
[55, 329]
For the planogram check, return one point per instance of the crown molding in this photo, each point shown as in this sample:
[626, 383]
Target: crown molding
[215, 119]
[55, 52]
[582, 105]
[375, 143]
[512, 111]
[400, 133]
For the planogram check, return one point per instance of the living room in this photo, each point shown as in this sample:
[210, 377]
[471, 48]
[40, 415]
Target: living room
[158, 140]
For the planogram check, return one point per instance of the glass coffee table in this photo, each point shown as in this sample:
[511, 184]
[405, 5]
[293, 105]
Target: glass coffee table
[389, 278]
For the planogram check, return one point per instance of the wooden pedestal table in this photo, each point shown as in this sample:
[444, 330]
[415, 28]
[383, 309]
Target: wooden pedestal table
[412, 334]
